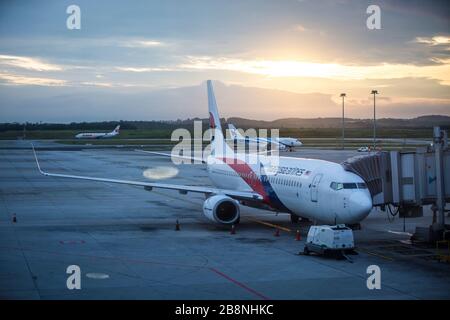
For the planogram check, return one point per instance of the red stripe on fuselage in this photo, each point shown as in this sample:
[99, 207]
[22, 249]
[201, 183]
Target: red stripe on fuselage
[248, 175]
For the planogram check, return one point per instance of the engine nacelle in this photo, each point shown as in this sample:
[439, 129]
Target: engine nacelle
[221, 209]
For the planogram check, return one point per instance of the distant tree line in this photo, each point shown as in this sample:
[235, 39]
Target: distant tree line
[104, 125]
[287, 123]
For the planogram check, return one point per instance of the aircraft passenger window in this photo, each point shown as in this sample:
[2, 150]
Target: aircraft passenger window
[350, 185]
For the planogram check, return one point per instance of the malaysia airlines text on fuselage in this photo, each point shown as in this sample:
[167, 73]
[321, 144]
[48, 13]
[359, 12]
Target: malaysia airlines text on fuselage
[98, 135]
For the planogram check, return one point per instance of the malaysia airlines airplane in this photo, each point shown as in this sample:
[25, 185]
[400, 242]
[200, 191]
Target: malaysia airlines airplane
[315, 189]
[98, 135]
[281, 143]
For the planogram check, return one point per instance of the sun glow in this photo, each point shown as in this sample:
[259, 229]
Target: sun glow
[293, 68]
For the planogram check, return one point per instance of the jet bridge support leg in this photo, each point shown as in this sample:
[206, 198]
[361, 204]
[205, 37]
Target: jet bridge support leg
[438, 139]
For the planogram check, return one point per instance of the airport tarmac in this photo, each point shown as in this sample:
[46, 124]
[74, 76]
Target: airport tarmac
[123, 238]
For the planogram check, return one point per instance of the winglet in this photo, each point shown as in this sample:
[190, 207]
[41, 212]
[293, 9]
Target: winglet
[37, 162]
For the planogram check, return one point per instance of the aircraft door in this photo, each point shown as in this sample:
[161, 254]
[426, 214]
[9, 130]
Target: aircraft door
[315, 187]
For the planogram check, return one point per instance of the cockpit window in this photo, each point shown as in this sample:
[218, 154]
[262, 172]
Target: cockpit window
[348, 185]
[336, 186]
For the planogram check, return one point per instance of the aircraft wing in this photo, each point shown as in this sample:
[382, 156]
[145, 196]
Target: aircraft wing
[173, 155]
[240, 195]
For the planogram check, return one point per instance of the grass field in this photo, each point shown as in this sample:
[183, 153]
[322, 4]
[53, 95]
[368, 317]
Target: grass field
[333, 133]
[321, 143]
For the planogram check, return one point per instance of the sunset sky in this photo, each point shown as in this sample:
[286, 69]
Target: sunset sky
[146, 50]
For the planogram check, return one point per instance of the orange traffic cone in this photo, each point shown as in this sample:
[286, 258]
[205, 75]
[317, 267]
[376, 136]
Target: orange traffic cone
[233, 229]
[277, 232]
[177, 226]
[298, 236]
[14, 219]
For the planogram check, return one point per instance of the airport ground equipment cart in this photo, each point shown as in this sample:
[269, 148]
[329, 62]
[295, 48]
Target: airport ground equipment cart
[329, 240]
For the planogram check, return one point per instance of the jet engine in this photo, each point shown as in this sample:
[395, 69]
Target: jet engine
[221, 209]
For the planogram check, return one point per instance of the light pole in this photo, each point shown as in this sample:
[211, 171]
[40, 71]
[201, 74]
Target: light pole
[343, 95]
[374, 92]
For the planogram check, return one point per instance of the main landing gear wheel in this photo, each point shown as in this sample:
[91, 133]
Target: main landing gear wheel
[294, 218]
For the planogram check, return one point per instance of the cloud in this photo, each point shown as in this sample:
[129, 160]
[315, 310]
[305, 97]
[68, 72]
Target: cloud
[297, 68]
[142, 69]
[31, 81]
[433, 41]
[141, 43]
[28, 63]
[97, 84]
[300, 28]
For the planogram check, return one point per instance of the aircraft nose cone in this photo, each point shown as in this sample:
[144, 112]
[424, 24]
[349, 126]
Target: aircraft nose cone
[360, 206]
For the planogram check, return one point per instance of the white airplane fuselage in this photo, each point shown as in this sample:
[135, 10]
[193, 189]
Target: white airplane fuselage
[283, 143]
[290, 142]
[296, 185]
[98, 135]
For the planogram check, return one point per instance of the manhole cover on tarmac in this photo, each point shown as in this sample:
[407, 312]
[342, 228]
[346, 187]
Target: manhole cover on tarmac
[97, 275]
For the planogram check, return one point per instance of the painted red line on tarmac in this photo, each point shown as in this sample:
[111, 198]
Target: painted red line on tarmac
[243, 286]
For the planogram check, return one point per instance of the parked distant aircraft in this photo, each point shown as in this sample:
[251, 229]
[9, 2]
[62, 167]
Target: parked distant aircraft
[310, 188]
[282, 143]
[98, 135]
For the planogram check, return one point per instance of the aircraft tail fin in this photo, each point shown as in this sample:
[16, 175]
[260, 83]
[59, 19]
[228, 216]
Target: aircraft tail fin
[218, 144]
[117, 129]
[234, 133]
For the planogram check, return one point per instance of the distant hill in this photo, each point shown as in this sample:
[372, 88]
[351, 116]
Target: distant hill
[419, 122]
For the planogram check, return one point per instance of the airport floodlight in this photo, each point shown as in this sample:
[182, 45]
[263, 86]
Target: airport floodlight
[374, 92]
[343, 95]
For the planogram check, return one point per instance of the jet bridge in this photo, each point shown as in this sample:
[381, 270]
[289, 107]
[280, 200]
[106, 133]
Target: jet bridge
[408, 180]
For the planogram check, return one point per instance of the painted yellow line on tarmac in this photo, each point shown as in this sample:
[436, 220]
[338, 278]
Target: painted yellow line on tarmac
[375, 254]
[269, 224]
